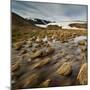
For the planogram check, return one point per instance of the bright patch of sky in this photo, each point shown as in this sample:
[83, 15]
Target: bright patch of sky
[50, 11]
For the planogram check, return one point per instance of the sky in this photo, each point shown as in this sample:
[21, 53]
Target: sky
[50, 11]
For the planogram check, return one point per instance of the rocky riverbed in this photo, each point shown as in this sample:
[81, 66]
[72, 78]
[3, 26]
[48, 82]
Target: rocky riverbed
[49, 62]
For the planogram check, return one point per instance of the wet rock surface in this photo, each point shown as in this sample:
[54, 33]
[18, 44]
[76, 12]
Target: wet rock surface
[44, 62]
[65, 69]
[82, 75]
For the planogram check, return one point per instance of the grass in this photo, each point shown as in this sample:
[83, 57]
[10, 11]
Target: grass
[23, 33]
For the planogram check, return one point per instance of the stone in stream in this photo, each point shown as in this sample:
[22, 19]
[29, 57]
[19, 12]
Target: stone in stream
[41, 63]
[65, 69]
[63, 53]
[49, 50]
[26, 58]
[36, 54]
[82, 75]
[38, 40]
[82, 42]
[15, 66]
[21, 62]
[45, 61]
[35, 65]
[27, 80]
[20, 65]
[83, 48]
[29, 43]
[36, 45]
[45, 83]
[69, 57]
[33, 38]
[60, 55]
[23, 51]
[19, 45]
[57, 56]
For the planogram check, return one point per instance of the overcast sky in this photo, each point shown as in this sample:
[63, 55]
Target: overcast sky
[50, 11]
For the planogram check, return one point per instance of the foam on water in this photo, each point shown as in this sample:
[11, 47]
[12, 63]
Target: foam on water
[63, 24]
[77, 39]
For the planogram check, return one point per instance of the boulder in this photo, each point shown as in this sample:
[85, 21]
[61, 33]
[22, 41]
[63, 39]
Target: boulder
[63, 53]
[47, 51]
[23, 51]
[36, 45]
[45, 61]
[35, 65]
[34, 50]
[15, 66]
[83, 48]
[82, 42]
[46, 83]
[29, 43]
[27, 80]
[36, 54]
[65, 69]
[38, 40]
[41, 63]
[30, 80]
[82, 75]
[25, 58]
[50, 50]
[18, 45]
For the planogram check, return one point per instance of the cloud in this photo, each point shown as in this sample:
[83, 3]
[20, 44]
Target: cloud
[50, 11]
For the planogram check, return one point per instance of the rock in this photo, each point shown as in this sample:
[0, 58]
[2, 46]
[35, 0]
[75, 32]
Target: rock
[46, 83]
[57, 56]
[33, 38]
[63, 53]
[83, 48]
[83, 57]
[49, 50]
[44, 53]
[82, 75]
[41, 63]
[65, 69]
[36, 54]
[45, 61]
[19, 45]
[34, 50]
[82, 42]
[35, 65]
[36, 45]
[23, 51]
[29, 43]
[15, 66]
[30, 79]
[29, 60]
[69, 57]
[38, 40]
[27, 81]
